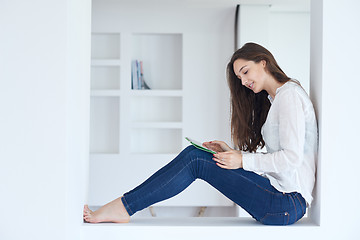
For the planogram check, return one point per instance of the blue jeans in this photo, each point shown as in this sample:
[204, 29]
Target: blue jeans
[249, 190]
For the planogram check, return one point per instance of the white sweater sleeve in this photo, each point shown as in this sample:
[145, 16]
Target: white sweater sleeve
[291, 120]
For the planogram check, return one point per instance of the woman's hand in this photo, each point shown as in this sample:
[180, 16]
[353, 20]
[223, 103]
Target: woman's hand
[229, 160]
[217, 146]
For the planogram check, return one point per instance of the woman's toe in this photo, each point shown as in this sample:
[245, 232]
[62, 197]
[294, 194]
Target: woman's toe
[87, 210]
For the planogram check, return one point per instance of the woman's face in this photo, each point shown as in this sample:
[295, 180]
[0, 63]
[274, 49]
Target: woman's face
[252, 75]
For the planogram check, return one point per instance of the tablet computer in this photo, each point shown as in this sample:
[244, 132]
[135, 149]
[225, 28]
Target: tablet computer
[199, 145]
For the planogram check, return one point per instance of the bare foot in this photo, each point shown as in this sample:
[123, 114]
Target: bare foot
[112, 212]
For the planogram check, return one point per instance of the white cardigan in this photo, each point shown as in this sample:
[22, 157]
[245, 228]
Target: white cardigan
[290, 135]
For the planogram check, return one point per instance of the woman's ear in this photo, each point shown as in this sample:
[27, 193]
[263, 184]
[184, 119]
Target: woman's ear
[263, 63]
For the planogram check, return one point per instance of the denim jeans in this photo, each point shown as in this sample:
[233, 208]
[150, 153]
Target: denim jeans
[249, 190]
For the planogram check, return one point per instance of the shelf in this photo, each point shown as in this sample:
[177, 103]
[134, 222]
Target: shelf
[157, 93]
[105, 62]
[105, 93]
[170, 125]
[151, 156]
[101, 156]
[134, 156]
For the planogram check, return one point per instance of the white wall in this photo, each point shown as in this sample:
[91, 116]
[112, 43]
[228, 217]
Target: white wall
[337, 100]
[78, 112]
[44, 68]
[284, 30]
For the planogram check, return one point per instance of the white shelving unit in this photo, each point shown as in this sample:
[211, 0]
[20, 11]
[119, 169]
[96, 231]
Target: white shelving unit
[154, 114]
[132, 124]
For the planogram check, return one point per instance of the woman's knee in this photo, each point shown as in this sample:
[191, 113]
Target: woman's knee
[185, 153]
[188, 154]
[189, 148]
[192, 154]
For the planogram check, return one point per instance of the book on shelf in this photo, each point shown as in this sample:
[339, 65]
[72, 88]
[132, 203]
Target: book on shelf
[137, 76]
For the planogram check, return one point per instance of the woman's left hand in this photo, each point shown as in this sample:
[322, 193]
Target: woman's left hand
[229, 160]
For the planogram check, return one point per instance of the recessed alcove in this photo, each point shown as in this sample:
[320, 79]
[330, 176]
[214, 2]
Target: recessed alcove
[174, 94]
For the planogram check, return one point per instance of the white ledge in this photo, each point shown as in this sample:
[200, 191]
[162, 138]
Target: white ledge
[194, 222]
[209, 228]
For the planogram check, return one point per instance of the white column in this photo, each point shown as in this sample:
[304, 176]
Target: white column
[334, 90]
[44, 69]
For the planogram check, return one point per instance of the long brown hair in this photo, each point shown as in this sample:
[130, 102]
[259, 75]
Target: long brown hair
[249, 110]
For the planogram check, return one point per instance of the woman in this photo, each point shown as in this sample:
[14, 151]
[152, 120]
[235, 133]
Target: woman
[268, 109]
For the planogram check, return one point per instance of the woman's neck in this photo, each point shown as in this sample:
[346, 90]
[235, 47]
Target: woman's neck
[272, 86]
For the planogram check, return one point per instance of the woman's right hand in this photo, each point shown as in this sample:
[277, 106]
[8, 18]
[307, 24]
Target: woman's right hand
[217, 146]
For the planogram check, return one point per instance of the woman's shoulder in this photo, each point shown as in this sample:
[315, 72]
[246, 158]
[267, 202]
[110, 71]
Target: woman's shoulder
[292, 87]
[293, 91]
